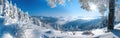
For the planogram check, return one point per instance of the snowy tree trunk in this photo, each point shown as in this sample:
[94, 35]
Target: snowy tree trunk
[111, 14]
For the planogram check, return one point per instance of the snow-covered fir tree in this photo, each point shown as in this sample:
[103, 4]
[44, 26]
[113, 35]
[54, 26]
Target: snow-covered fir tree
[13, 15]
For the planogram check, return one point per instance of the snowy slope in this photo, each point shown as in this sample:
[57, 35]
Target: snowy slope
[95, 33]
[117, 26]
[14, 23]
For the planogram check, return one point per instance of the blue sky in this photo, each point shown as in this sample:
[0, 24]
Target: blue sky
[41, 8]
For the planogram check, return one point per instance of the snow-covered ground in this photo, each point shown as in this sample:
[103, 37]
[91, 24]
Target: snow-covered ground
[117, 27]
[7, 35]
[28, 27]
[79, 34]
[96, 33]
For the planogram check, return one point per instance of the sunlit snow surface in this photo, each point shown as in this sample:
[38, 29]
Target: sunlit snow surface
[117, 27]
[17, 24]
[7, 35]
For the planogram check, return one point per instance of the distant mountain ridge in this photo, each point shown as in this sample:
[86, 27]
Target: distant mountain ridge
[76, 25]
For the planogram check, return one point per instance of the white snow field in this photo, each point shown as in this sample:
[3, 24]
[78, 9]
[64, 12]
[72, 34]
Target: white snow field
[7, 35]
[28, 27]
[97, 33]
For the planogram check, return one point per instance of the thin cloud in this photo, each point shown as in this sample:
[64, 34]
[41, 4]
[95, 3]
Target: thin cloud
[53, 3]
